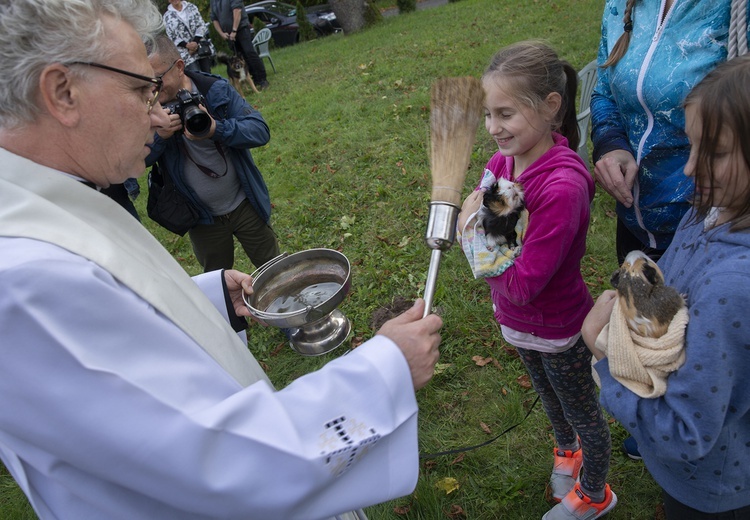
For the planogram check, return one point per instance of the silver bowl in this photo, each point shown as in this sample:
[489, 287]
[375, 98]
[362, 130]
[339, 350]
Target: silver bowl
[300, 293]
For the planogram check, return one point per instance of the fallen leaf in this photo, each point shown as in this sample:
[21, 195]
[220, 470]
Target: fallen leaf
[456, 512]
[481, 361]
[447, 484]
[402, 510]
[458, 459]
[497, 364]
[510, 351]
[485, 428]
[441, 367]
[347, 222]
[404, 242]
[524, 381]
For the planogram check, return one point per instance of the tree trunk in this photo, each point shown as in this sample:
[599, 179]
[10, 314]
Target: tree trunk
[350, 14]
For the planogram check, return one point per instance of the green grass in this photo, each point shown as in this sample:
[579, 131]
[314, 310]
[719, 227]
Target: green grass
[348, 169]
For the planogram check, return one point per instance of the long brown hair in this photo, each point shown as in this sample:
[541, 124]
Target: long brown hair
[723, 102]
[621, 46]
[533, 71]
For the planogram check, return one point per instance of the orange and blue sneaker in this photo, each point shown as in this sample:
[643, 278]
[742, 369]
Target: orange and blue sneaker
[576, 505]
[565, 472]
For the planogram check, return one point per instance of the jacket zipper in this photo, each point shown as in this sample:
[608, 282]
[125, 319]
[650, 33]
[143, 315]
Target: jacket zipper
[639, 92]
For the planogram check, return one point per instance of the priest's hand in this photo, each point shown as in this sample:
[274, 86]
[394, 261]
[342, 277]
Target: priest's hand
[418, 339]
[237, 283]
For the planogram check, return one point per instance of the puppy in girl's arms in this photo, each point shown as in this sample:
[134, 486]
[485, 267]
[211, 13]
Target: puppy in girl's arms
[501, 208]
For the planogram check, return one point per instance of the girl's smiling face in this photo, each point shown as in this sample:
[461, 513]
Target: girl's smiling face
[519, 130]
[726, 186]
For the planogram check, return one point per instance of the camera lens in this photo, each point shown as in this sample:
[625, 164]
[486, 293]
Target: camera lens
[196, 121]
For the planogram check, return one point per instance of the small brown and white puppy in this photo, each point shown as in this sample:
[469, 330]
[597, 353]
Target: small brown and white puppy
[237, 71]
[649, 305]
[501, 208]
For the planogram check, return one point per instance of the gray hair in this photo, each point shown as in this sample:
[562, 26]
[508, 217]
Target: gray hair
[36, 33]
[161, 45]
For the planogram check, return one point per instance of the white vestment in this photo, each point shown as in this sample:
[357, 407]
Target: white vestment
[124, 392]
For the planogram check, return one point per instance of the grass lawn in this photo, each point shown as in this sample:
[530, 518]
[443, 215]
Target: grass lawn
[348, 168]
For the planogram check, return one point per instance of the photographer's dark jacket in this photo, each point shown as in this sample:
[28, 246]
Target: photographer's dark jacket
[238, 127]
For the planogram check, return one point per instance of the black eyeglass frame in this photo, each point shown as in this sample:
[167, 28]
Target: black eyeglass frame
[157, 82]
[161, 76]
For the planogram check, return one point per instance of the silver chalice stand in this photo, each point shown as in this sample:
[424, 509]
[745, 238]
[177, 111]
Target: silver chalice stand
[300, 293]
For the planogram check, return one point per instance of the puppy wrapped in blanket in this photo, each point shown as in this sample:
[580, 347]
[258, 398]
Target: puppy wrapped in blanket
[645, 337]
[492, 237]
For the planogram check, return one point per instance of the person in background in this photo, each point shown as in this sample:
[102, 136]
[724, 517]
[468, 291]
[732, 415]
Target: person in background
[695, 439]
[215, 171]
[650, 55]
[186, 28]
[541, 300]
[230, 20]
[125, 389]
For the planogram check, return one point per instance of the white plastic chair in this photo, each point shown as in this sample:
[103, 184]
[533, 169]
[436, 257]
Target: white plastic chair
[586, 80]
[260, 42]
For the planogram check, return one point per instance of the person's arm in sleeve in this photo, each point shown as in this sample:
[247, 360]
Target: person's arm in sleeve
[238, 125]
[614, 161]
[147, 416]
[707, 391]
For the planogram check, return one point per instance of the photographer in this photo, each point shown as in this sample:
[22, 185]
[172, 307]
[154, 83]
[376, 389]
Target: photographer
[186, 28]
[204, 151]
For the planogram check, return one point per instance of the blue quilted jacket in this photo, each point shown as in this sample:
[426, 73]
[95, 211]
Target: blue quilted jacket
[637, 104]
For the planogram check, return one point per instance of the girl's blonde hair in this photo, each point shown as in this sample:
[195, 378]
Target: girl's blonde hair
[532, 71]
[723, 103]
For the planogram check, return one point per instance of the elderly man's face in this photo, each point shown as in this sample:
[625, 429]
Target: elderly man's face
[115, 118]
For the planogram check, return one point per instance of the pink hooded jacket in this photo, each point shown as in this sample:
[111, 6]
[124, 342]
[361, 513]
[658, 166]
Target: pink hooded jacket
[543, 292]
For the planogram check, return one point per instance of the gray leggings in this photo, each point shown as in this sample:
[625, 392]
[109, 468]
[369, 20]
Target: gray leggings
[568, 392]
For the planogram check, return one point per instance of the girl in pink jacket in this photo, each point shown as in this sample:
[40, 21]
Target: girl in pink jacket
[541, 300]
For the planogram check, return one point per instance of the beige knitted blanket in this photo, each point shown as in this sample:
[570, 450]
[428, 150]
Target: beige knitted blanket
[640, 363]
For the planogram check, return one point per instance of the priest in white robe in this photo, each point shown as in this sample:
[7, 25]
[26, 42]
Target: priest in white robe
[124, 390]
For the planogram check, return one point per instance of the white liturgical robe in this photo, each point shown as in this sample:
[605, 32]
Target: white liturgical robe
[124, 392]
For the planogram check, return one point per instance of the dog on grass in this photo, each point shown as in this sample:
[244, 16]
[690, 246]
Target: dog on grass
[237, 72]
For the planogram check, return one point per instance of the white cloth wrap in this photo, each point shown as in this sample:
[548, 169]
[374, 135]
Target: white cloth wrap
[640, 363]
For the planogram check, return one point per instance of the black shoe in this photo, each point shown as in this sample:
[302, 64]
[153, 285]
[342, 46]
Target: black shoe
[264, 85]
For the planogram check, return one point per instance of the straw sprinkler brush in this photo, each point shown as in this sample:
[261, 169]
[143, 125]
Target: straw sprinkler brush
[455, 113]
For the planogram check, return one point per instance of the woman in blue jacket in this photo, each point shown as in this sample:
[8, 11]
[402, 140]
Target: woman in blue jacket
[695, 438]
[640, 147]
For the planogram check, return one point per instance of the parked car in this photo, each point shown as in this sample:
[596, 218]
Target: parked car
[281, 18]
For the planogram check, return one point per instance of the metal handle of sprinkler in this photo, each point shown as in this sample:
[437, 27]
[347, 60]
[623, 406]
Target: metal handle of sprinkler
[440, 235]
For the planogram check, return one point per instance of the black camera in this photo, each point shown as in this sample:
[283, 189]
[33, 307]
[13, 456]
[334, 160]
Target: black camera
[194, 120]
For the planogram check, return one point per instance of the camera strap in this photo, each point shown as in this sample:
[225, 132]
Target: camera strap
[206, 171]
[203, 83]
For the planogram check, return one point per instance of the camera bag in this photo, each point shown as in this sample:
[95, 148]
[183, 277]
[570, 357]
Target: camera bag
[167, 206]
